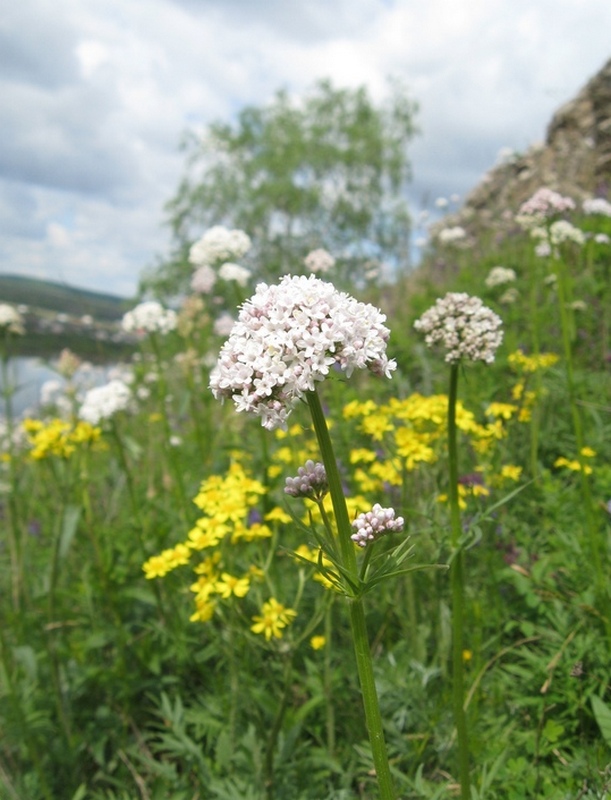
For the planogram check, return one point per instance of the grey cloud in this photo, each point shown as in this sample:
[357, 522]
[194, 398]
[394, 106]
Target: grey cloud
[36, 45]
[19, 213]
[303, 21]
[64, 140]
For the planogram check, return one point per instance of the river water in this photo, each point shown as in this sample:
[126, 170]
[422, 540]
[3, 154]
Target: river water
[27, 375]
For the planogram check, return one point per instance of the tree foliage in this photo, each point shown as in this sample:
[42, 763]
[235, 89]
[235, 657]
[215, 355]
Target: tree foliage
[326, 169]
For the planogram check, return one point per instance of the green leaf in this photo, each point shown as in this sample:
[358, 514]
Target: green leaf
[553, 731]
[69, 526]
[602, 714]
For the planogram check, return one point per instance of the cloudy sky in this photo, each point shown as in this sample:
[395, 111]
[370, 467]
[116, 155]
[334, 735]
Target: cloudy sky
[95, 95]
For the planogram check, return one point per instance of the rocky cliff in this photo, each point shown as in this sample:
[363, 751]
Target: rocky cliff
[575, 160]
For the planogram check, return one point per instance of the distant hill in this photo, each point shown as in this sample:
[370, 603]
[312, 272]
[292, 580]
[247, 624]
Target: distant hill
[50, 296]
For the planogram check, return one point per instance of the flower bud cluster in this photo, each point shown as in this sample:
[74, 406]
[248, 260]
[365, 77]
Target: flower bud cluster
[149, 317]
[310, 481]
[102, 402]
[370, 526]
[287, 338]
[464, 326]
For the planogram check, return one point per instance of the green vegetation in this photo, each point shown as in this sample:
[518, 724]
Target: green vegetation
[327, 169]
[173, 624]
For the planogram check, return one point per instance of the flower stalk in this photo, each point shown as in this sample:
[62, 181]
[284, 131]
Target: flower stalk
[360, 639]
[457, 589]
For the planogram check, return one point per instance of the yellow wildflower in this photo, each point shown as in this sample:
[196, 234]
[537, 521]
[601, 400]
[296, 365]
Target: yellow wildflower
[230, 585]
[511, 472]
[362, 454]
[278, 514]
[273, 618]
[155, 567]
[204, 610]
[573, 465]
[317, 642]
[502, 410]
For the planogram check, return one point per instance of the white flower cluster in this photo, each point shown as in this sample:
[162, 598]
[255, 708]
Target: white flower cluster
[287, 338]
[150, 317]
[543, 204]
[500, 275]
[217, 247]
[319, 261]
[234, 272]
[562, 231]
[310, 481]
[10, 319]
[464, 326]
[510, 296]
[451, 235]
[370, 526]
[219, 244]
[102, 402]
[559, 232]
[203, 279]
[597, 205]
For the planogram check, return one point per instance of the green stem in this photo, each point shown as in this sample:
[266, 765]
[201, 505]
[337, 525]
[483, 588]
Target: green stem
[275, 729]
[457, 587]
[173, 462]
[138, 519]
[594, 540]
[362, 651]
[328, 682]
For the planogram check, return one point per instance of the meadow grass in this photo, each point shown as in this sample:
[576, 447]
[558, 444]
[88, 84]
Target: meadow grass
[174, 625]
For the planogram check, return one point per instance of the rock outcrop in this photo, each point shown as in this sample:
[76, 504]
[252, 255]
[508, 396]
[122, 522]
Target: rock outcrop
[575, 160]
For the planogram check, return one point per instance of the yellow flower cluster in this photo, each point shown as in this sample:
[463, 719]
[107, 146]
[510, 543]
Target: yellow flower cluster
[57, 437]
[576, 465]
[528, 364]
[465, 492]
[413, 431]
[525, 366]
[225, 502]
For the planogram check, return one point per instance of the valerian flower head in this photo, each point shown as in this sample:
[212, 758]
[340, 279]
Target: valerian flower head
[500, 275]
[597, 205]
[370, 526]
[219, 244]
[451, 235]
[102, 402]
[203, 279]
[287, 338]
[562, 231]
[234, 272]
[464, 326]
[545, 203]
[11, 320]
[149, 317]
[310, 481]
[319, 261]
